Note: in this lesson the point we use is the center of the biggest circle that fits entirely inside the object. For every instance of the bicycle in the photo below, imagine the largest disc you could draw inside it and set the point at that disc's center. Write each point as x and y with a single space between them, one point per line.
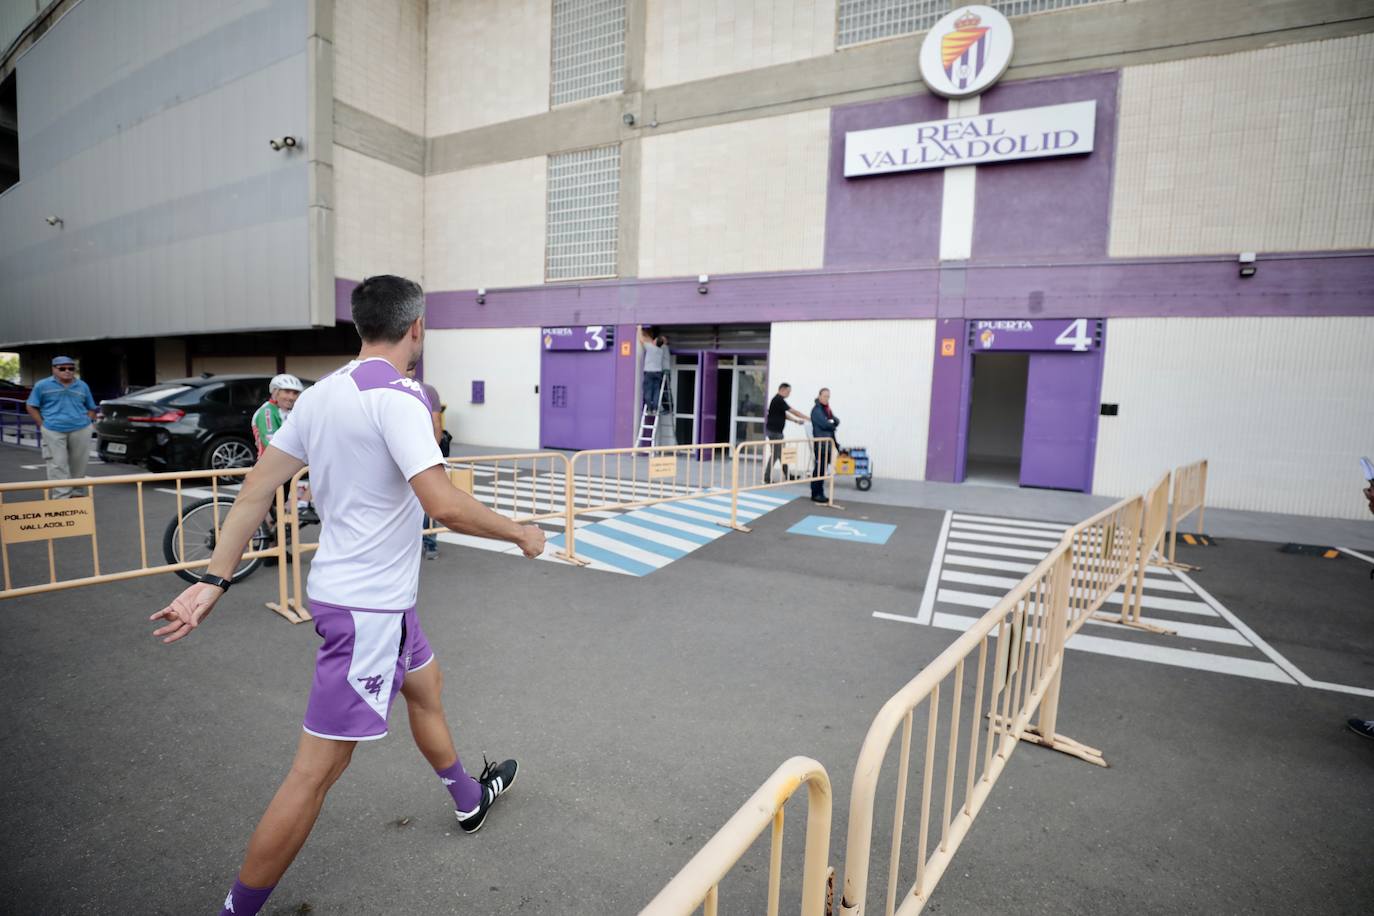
196 530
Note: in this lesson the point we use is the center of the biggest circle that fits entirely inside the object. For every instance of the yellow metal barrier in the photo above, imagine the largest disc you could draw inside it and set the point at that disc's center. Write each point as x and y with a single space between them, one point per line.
629 478
524 487
698 884
29 516
1190 495
1150 544
753 460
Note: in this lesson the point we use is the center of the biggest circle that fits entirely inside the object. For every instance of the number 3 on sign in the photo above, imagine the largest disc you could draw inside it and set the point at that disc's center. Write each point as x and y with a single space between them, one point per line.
1076 336
596 335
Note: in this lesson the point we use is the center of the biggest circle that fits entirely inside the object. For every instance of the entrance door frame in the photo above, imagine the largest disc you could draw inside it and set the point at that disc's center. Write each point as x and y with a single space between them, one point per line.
968 344
720 357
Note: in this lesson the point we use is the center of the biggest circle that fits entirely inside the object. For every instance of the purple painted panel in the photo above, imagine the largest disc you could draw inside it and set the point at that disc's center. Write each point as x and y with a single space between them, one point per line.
1297 284
707 388
882 219
1049 207
1061 421
949 404
626 383
343 299
577 399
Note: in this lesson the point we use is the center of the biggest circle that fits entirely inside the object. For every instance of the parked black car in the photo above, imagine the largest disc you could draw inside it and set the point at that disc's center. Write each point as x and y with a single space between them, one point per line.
184 424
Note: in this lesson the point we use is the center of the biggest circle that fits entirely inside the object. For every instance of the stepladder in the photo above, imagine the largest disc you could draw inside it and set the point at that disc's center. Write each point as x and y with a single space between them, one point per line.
650 413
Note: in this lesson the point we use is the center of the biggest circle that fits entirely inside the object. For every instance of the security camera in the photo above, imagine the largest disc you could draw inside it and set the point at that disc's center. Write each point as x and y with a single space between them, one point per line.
287 142
482 296
703 279
53 220
1247 264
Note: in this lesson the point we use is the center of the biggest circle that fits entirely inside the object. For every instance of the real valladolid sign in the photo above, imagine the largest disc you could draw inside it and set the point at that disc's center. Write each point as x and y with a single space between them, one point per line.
963 54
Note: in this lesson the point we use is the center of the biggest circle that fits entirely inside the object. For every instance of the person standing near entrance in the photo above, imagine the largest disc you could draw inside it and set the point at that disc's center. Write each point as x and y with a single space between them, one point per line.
823 423
367 435
64 410
655 361
775 427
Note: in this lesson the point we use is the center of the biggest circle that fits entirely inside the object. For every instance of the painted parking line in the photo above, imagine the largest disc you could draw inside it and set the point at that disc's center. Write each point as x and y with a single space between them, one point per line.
1162 655
979 559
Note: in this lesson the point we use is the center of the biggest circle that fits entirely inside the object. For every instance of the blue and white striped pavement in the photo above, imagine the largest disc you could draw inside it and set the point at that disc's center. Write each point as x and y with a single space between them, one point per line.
639 541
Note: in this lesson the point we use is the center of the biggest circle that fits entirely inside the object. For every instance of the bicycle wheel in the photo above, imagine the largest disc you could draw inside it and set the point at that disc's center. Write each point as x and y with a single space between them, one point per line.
196 531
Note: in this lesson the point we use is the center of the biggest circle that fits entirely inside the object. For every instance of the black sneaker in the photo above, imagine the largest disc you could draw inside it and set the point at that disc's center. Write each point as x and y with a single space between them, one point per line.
496 780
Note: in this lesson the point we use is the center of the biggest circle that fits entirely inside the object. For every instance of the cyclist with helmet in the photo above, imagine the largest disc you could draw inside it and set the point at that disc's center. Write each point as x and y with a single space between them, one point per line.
283 391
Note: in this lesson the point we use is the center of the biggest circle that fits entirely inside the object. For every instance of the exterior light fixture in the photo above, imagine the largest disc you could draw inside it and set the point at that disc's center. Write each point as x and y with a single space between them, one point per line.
702 280
628 118
482 296
56 221
280 143
1247 264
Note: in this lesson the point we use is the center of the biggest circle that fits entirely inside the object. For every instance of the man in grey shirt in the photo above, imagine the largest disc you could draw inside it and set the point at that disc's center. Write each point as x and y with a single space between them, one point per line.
655 361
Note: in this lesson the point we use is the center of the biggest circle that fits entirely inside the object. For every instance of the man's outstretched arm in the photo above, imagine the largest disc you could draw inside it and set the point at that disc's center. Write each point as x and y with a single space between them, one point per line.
457 511
189 608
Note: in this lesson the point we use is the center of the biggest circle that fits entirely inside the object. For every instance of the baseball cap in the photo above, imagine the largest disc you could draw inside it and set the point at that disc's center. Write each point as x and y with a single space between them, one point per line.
63 361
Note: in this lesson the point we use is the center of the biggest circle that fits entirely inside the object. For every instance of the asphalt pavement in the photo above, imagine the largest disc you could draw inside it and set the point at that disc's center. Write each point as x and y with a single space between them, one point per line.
644 711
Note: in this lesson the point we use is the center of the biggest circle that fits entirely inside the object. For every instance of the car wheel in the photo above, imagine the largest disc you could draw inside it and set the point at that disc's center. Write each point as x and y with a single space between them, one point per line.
228 453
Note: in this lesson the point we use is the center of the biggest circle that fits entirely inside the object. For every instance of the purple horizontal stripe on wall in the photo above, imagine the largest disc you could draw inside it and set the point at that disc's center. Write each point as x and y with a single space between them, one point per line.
882 220
1058 207
343 302
1181 287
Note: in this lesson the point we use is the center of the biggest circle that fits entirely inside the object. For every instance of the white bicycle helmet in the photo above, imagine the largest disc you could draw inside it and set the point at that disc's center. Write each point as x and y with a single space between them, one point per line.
285 380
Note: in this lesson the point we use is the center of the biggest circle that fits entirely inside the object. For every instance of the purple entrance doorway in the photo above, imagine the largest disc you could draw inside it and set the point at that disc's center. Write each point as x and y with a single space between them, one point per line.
1027 395
586 387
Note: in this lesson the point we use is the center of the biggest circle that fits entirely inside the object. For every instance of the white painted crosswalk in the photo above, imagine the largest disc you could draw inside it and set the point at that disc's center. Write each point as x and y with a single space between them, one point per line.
980 558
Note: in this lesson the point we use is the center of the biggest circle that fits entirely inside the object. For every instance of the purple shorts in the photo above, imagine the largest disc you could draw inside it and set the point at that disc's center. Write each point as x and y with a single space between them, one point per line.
360 668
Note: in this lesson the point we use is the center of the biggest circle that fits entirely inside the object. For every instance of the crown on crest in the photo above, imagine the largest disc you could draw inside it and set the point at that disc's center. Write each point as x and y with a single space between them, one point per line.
968 20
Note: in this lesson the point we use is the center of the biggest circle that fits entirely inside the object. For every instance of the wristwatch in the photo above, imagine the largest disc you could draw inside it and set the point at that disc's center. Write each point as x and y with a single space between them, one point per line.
219 581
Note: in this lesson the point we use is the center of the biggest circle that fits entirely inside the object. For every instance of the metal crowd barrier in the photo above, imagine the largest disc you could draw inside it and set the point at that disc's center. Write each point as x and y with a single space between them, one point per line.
997 685
1155 509
35 518
753 462
524 487
628 478
14 416
1190 495
698 884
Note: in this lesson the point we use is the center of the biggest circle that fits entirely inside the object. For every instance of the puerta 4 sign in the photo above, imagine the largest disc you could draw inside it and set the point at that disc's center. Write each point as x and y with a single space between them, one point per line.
1072 335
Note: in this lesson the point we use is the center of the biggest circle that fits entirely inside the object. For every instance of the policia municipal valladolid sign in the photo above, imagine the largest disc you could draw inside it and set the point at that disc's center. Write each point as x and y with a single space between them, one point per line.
963 54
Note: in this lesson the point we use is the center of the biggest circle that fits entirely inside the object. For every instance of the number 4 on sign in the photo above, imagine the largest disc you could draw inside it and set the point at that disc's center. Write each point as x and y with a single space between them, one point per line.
1076 336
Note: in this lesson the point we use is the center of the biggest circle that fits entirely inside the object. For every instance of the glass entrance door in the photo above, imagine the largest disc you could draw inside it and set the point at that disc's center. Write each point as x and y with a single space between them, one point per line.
750 401
684 369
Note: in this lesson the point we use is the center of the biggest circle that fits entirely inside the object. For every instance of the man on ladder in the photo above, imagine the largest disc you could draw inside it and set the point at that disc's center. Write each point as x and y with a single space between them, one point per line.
653 385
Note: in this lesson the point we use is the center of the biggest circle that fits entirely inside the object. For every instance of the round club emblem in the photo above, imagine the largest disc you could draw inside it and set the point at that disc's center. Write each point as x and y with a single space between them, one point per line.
966 52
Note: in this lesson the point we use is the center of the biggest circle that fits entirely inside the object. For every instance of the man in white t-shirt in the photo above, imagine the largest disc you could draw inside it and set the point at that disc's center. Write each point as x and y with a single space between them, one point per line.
375 468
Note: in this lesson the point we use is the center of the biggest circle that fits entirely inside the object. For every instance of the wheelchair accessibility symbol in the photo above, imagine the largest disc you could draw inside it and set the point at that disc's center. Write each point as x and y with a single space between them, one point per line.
840 529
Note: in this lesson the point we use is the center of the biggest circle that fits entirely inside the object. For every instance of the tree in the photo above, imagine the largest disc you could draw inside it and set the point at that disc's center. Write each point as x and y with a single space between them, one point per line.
9 367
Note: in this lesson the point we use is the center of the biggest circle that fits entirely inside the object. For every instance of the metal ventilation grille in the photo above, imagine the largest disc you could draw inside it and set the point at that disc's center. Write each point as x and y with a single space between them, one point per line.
868 20
588 49
584 204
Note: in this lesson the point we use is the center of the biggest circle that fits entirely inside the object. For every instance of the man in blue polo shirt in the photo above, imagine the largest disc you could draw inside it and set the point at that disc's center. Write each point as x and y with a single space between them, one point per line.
63 407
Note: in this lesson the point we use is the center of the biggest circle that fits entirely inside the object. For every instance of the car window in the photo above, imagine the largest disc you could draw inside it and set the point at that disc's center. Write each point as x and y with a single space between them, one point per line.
252 393
210 394
159 393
